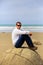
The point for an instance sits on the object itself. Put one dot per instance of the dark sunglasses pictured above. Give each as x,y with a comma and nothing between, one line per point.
18,25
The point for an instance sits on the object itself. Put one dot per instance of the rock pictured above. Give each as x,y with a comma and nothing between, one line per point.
21,56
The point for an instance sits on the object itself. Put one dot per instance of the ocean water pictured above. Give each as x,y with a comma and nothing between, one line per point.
30,28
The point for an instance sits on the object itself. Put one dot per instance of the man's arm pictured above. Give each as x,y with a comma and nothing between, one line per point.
23,32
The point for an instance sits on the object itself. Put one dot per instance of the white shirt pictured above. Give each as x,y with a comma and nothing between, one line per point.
16,33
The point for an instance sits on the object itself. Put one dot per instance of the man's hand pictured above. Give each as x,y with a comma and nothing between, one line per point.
30,33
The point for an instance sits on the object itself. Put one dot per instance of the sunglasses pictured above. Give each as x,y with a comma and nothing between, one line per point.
18,25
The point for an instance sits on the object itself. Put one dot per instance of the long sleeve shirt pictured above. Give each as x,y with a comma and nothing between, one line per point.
17,33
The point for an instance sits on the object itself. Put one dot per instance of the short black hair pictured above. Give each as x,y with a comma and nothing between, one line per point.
18,22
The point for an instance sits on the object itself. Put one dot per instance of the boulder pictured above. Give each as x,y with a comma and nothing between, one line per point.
21,56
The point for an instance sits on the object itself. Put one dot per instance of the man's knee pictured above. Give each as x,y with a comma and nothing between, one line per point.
25,35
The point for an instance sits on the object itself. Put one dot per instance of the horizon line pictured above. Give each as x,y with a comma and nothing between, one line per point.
22,25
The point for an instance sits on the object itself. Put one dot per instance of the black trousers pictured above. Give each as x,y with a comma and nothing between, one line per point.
21,40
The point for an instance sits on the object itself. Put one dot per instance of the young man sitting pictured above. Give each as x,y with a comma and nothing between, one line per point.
19,36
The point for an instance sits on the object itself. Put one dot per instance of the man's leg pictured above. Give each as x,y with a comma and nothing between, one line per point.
28,40
20,42
23,38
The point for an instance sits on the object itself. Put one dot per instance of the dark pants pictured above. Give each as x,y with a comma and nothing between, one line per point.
21,40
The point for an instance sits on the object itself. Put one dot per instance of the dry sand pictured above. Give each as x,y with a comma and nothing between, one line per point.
38,36
6,42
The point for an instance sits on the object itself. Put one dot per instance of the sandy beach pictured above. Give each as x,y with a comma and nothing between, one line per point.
6,42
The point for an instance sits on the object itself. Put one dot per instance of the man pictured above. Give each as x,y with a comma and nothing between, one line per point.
19,36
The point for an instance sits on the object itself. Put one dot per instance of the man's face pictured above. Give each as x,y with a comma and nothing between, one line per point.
18,25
